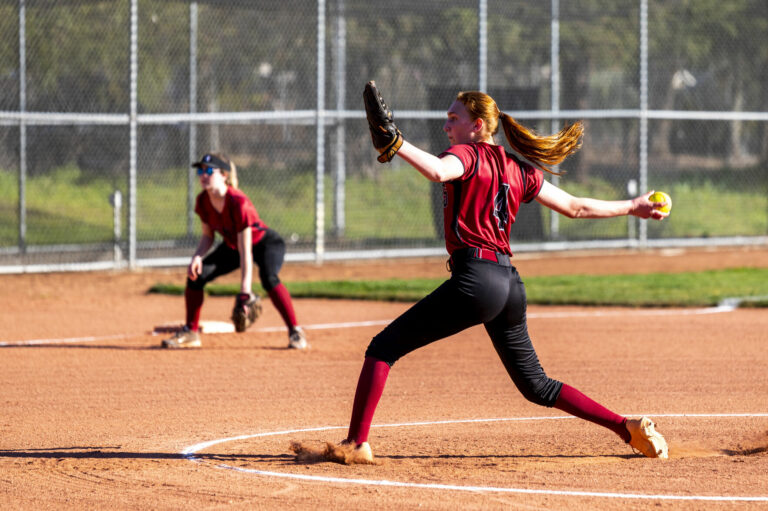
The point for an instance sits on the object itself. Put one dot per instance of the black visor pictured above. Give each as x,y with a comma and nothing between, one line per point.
210,160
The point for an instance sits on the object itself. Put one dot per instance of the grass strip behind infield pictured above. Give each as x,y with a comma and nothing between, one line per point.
688,289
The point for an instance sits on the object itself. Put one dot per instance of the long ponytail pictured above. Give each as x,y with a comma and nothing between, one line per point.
542,151
232,176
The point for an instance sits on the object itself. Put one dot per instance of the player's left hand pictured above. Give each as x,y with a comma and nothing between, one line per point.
387,139
246,311
642,207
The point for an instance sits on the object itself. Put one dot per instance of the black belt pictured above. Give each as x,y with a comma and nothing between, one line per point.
462,254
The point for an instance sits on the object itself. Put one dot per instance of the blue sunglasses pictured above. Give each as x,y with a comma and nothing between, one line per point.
205,170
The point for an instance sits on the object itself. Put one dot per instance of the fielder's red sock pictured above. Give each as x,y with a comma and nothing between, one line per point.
281,298
370,386
574,402
193,300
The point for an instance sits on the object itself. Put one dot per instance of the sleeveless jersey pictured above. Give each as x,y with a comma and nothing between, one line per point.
238,213
480,206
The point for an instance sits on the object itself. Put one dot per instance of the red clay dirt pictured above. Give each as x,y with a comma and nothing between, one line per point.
94,415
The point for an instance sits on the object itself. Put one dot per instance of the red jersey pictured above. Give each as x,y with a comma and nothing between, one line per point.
238,213
480,206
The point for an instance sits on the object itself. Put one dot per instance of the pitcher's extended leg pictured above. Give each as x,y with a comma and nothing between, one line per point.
370,386
574,402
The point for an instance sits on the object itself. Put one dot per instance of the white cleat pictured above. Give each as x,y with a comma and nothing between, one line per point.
646,439
184,338
297,340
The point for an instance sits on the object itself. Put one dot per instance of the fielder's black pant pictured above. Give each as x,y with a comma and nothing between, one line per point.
478,291
268,254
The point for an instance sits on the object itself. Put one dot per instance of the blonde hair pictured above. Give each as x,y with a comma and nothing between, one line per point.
542,151
230,176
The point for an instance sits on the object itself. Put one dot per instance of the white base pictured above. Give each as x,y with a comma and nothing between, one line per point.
217,327
206,327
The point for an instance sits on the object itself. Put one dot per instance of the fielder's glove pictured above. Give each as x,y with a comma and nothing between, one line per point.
387,139
246,311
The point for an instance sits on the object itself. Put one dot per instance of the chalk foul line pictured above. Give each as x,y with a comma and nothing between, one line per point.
725,306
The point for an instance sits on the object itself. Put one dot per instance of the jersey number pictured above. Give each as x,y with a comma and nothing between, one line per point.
501,207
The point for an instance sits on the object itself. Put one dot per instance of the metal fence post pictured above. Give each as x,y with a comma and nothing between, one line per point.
116,199
482,45
643,142
22,127
134,63
191,182
340,54
631,220
320,120
554,218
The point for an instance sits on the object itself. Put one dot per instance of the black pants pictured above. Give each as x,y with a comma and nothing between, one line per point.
268,254
478,291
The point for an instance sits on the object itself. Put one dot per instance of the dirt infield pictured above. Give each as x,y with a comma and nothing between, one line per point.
94,415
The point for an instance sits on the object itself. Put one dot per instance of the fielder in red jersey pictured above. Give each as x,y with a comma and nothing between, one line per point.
484,187
238,213
247,241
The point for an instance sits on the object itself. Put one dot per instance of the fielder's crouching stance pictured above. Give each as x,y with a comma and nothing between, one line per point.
247,241
484,287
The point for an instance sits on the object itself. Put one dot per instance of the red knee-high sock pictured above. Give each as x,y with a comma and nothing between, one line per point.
574,402
370,386
281,298
193,300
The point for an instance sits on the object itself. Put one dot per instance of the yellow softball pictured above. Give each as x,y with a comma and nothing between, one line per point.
662,197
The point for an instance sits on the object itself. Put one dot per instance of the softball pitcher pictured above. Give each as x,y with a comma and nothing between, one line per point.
224,209
484,186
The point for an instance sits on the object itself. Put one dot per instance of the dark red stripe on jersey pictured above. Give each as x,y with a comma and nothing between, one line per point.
477,163
456,208
457,187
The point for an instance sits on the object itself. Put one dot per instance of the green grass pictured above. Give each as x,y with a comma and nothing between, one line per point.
67,206
64,206
393,204
687,289
61,208
701,209
693,289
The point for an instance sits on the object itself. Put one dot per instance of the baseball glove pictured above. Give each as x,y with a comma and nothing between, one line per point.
387,139
246,311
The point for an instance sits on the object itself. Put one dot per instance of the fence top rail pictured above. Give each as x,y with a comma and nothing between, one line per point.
10,118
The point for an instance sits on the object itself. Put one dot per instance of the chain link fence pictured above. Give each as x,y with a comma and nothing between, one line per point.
106,103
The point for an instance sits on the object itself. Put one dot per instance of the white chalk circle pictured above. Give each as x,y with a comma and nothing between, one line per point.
190,454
